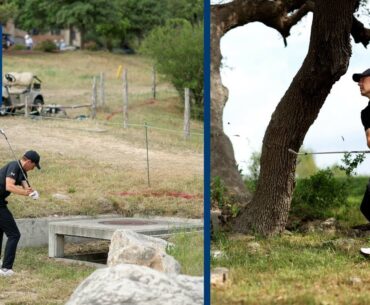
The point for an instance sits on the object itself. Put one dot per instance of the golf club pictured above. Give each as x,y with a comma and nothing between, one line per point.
20,166
330,152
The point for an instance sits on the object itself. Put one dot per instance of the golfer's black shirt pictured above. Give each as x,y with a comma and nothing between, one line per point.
11,170
365,116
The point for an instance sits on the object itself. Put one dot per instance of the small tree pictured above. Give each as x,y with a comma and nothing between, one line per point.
177,49
7,11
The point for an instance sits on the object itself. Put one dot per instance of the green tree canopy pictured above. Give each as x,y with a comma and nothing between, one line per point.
85,15
177,49
7,11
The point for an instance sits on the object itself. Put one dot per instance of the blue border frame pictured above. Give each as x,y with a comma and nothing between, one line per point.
207,158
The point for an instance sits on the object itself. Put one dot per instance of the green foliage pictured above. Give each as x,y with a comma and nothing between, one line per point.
19,47
111,23
218,192
177,49
350,164
254,171
143,16
188,250
316,197
7,11
306,165
84,15
46,46
191,10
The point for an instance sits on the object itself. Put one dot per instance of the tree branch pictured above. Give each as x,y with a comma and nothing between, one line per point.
359,33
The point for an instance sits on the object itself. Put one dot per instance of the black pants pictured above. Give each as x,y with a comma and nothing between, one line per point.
9,227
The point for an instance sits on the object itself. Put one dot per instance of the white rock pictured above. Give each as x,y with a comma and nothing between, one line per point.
129,247
126,284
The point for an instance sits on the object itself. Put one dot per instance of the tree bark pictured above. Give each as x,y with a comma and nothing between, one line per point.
327,60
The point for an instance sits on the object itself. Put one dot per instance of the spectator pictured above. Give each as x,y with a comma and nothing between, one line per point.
28,41
62,45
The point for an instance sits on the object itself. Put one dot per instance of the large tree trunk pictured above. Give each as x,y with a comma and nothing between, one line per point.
327,60
223,162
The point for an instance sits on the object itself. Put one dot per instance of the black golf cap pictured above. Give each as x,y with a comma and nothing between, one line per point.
34,157
357,76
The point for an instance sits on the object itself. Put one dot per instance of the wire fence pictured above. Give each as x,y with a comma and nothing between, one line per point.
151,136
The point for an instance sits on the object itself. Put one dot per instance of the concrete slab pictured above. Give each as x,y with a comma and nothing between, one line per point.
103,228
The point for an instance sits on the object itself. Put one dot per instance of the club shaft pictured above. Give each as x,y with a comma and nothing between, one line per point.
330,152
15,158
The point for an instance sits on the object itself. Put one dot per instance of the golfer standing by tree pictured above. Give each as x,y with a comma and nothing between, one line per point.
13,179
363,80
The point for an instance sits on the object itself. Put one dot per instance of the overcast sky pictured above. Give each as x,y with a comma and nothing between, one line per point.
258,69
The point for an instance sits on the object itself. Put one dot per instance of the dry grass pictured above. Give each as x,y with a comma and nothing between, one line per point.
94,161
40,280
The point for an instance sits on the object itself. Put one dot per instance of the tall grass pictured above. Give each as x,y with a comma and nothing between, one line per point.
188,251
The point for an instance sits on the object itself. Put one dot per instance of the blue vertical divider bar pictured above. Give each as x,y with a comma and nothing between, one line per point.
207,153
1,61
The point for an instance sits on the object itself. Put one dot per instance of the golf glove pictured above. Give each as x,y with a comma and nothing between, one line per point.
34,195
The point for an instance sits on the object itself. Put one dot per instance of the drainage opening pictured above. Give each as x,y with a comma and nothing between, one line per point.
87,250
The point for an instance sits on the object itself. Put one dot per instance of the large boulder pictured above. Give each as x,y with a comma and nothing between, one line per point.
132,284
129,247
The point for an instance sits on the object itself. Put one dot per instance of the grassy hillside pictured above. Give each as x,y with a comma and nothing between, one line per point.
68,77
98,164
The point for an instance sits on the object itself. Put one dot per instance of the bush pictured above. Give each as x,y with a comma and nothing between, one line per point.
46,46
254,167
218,193
18,47
91,46
317,197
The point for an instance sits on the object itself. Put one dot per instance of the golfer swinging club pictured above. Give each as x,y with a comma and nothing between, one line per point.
13,179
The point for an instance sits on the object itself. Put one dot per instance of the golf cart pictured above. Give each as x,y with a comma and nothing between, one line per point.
20,89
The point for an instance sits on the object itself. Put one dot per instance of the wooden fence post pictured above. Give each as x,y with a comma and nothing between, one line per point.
125,99
154,83
147,152
93,99
102,89
187,114
26,103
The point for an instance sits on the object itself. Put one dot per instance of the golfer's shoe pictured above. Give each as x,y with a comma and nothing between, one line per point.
365,251
6,272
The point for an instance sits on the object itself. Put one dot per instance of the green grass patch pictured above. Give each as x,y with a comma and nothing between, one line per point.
292,269
188,251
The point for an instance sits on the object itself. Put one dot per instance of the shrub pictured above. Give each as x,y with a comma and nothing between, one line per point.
46,46
254,167
218,192
91,46
316,197
19,47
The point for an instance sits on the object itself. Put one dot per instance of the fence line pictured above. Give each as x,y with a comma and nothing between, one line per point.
93,99
102,89
32,116
154,82
187,114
